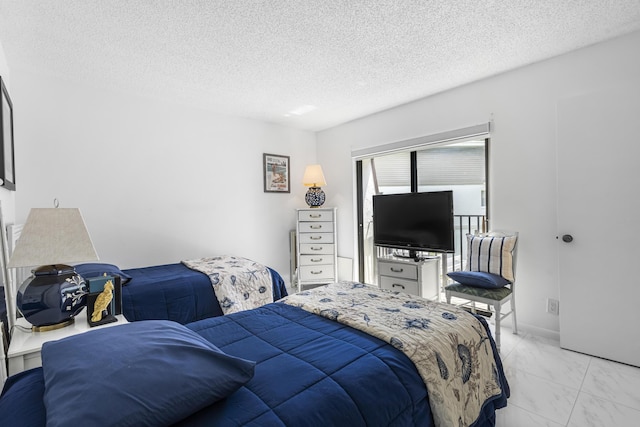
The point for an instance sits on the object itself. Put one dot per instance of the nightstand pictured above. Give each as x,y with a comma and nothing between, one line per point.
25,346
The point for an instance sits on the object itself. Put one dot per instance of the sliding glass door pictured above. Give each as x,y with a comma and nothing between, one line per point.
395,171
460,166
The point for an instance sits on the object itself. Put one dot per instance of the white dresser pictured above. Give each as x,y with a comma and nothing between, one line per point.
420,278
316,243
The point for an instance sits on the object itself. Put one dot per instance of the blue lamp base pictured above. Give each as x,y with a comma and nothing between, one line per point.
52,297
315,197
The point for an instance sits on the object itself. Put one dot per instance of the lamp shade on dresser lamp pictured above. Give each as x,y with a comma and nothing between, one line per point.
55,293
314,179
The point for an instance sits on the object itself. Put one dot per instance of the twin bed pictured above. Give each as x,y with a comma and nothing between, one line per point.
342,354
171,292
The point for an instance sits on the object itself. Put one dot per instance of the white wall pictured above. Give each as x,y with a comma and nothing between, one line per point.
7,198
522,188
156,183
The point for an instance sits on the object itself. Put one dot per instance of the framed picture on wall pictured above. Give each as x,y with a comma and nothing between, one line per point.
7,163
276,173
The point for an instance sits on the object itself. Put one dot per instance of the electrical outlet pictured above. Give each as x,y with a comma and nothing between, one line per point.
553,306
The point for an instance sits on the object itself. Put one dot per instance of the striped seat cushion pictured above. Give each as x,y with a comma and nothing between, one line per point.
491,254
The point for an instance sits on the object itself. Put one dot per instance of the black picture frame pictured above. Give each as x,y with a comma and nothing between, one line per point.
7,160
276,173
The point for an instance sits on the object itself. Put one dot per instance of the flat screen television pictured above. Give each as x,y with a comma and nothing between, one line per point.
414,221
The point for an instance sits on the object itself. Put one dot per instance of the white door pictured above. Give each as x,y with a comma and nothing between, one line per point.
599,207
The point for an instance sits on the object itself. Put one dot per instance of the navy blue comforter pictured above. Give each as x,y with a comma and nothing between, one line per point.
176,292
310,371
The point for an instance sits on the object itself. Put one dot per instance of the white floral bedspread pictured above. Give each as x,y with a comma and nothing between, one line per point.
449,347
239,283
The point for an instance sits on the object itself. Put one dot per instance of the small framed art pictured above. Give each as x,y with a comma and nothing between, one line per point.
7,164
276,173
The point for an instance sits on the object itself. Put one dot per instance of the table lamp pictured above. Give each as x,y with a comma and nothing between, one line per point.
55,293
314,178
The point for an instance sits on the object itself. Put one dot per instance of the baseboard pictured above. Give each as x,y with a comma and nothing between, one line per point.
524,328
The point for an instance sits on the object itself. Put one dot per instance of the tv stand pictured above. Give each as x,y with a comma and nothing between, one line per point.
410,275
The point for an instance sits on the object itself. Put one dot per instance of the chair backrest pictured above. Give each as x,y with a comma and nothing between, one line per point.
493,252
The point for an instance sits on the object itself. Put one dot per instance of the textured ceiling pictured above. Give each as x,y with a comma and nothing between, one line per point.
310,64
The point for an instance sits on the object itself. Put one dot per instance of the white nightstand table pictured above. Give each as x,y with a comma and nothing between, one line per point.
25,346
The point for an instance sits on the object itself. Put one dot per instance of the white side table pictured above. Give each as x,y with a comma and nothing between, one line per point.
25,346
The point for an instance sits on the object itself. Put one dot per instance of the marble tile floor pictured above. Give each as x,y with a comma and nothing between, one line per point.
560,388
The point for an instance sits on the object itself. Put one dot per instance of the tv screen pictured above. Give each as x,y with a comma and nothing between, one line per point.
414,221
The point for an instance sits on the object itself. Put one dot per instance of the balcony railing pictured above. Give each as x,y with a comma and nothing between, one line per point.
462,225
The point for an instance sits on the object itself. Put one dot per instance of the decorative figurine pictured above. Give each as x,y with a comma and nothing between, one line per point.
103,300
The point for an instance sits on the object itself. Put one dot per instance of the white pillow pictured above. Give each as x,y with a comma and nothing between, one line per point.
491,254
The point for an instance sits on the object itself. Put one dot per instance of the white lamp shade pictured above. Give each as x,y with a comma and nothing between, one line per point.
313,176
53,236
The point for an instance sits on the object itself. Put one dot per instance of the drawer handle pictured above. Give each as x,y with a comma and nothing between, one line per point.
315,227
315,216
397,270
316,272
316,248
397,284
316,259
315,237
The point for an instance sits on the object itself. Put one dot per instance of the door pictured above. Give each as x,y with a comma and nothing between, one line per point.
598,216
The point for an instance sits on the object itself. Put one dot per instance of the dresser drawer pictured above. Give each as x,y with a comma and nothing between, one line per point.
316,259
316,227
317,248
316,238
316,272
315,215
401,285
398,269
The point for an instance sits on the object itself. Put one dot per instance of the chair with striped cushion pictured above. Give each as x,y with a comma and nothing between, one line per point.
489,275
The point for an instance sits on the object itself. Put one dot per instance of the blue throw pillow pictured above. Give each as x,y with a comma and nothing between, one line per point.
95,269
479,279
148,373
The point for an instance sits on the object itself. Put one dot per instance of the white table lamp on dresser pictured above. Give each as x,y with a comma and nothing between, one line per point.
314,179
